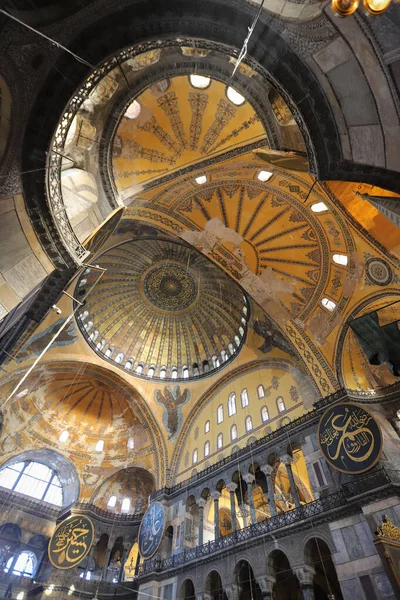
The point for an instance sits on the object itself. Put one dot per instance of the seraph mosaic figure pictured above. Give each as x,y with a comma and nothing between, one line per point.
172,400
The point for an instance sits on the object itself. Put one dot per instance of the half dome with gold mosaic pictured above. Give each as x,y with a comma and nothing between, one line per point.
162,310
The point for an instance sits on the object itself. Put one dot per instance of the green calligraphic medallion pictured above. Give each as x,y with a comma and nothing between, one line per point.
350,438
71,542
151,530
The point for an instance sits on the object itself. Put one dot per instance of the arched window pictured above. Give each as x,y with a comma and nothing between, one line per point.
206,366
245,310
33,479
88,325
206,426
237,340
109,352
131,443
100,446
129,365
234,96
231,349
220,414
94,335
220,441
24,566
119,358
151,371
84,315
232,404
185,372
139,369
196,370
174,373
319,207
195,456
340,259
248,423
224,355
63,437
100,345
199,81
243,321
261,391
112,502
126,504
241,331
328,304
215,361
280,403
244,398
163,372
264,414
206,448
234,432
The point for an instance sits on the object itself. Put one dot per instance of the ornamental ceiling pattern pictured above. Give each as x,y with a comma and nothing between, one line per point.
162,305
175,125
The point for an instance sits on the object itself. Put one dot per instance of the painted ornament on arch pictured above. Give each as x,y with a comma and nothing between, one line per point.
172,400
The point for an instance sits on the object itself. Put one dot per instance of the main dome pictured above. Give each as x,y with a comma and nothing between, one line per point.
162,310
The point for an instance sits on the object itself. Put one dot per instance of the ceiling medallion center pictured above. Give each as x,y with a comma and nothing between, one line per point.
170,287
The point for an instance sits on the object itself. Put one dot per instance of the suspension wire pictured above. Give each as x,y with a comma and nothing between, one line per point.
243,51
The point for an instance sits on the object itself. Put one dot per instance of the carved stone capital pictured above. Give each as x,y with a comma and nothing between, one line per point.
201,503
231,487
305,575
215,495
249,478
267,470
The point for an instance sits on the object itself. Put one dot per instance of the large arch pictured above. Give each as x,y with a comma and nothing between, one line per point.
286,585
64,468
318,556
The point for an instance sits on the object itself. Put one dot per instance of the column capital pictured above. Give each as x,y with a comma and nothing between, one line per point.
231,487
287,460
215,495
266,583
305,575
244,510
201,502
267,470
249,478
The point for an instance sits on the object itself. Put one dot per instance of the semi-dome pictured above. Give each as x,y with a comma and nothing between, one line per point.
162,310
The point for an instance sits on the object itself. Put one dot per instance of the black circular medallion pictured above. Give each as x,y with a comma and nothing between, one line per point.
71,542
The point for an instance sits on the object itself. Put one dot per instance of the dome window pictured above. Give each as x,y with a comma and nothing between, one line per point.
261,391
319,207
264,176
151,371
328,304
185,372
234,96
231,349
206,366
200,82
340,259
206,426
195,456
33,479
244,398
280,403
201,179
133,110
63,437
220,414
174,373
126,505
163,372
112,502
196,370
232,404
139,369
206,449
237,341
109,352
100,446
119,358
131,443
220,441
224,355
264,414
215,361
129,365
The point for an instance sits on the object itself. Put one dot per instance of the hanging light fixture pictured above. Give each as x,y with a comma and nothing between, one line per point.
345,8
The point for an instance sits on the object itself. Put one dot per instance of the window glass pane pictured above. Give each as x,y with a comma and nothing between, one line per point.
207,427
39,471
234,433
54,495
245,398
260,391
31,487
126,504
8,477
112,501
24,565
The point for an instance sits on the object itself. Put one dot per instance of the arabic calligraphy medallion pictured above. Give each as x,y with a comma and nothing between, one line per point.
350,438
151,530
71,542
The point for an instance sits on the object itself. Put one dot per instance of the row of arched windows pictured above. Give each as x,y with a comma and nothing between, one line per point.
125,504
248,423
244,398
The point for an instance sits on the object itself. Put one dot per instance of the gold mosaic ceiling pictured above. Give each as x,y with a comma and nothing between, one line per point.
162,304
173,125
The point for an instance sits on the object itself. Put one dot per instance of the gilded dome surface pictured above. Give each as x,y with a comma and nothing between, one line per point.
162,310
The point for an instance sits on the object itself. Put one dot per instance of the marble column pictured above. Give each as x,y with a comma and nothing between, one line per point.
231,487
216,496
266,584
107,560
91,552
244,511
124,558
305,575
268,470
287,460
201,503
249,479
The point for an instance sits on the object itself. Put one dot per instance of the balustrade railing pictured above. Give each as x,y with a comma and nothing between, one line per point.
363,484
